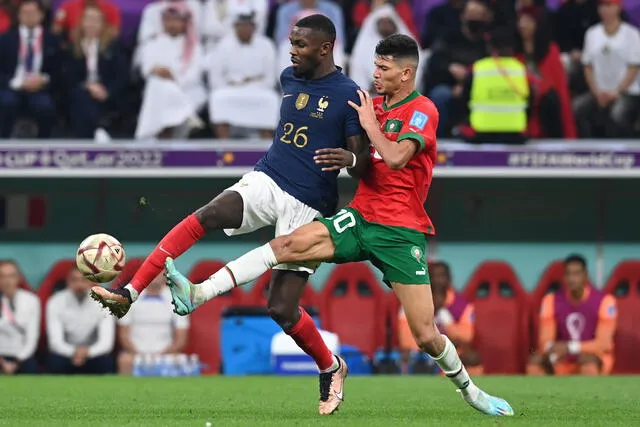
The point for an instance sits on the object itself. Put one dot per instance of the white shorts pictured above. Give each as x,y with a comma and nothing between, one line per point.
267,204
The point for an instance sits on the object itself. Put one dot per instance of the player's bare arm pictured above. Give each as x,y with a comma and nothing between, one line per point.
355,158
396,155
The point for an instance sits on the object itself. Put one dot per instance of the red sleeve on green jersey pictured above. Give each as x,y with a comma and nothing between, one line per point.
420,124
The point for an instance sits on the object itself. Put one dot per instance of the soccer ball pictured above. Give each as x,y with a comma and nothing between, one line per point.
100,258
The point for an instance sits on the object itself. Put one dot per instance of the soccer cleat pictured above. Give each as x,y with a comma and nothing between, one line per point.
117,301
488,404
332,388
180,288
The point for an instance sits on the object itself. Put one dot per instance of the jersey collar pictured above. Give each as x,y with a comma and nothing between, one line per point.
413,95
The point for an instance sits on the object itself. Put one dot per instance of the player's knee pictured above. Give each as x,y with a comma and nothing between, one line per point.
429,339
536,359
225,211
589,364
208,216
284,314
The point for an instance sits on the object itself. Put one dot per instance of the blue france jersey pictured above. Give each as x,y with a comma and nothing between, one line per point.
314,114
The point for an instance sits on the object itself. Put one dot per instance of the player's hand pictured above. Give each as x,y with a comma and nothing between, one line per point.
9,368
366,114
80,356
333,158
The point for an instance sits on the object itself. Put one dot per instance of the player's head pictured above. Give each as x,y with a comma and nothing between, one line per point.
575,272
396,64
312,39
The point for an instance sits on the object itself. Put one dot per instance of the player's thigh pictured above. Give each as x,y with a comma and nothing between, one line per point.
345,230
399,253
250,204
292,215
311,242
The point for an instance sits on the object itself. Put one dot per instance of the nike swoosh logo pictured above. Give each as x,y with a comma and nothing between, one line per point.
287,95
338,395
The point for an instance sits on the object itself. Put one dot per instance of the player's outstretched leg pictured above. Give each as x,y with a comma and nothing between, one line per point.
225,211
417,303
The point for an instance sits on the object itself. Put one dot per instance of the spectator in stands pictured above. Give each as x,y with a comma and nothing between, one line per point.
151,327
151,24
172,63
80,335
577,326
96,71
69,16
499,94
219,18
242,84
363,8
19,323
452,55
454,317
611,58
440,21
551,114
28,69
381,23
290,13
572,20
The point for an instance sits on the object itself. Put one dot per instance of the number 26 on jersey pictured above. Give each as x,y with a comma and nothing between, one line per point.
294,135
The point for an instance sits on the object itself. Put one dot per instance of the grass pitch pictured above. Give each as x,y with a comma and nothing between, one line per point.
292,401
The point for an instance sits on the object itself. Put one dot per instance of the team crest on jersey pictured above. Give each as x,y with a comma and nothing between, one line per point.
419,120
416,252
302,100
323,104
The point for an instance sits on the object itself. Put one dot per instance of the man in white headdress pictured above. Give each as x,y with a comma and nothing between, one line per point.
218,18
174,90
151,20
242,76
380,23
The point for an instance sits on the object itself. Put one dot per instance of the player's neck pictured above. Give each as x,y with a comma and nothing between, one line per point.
400,95
323,70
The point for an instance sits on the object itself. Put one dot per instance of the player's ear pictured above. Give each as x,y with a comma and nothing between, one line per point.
407,74
326,48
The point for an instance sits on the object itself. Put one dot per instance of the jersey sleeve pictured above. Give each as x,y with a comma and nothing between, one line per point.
607,310
420,125
352,121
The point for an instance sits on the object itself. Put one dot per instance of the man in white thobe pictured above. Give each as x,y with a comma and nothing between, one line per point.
242,78
218,18
174,90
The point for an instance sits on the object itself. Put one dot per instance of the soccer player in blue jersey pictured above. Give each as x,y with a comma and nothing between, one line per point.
288,188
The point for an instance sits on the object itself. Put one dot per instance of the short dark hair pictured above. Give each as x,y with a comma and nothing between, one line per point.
501,39
399,46
575,258
320,24
38,4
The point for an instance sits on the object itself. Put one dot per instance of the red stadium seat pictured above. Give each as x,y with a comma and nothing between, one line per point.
502,314
354,306
130,268
624,284
204,330
260,293
550,281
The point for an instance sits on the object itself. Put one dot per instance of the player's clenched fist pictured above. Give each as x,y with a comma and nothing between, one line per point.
335,158
366,114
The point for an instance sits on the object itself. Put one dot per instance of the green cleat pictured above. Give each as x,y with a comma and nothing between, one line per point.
180,287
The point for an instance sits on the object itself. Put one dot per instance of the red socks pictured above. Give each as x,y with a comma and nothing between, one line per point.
173,244
306,335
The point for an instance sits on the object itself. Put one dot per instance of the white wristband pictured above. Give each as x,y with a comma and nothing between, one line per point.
573,347
355,159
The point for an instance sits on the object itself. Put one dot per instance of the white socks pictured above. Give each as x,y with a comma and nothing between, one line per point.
238,272
451,365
